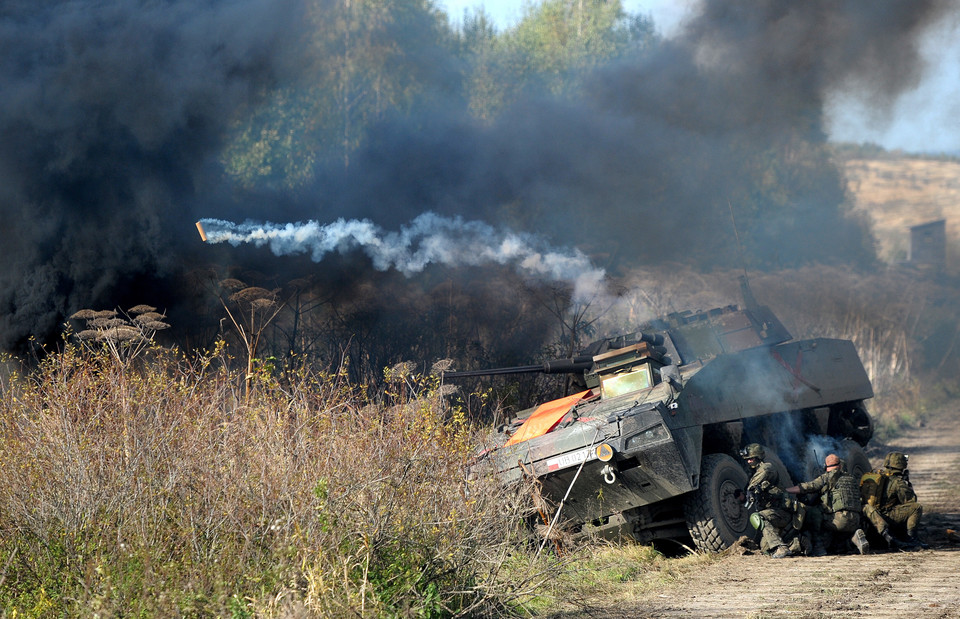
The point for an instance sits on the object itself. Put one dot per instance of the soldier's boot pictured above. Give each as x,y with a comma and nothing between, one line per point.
783,550
860,541
795,547
891,540
914,542
819,548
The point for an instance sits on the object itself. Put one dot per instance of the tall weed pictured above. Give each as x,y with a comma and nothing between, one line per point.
158,489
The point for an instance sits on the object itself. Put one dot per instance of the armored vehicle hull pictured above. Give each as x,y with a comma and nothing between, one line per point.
650,449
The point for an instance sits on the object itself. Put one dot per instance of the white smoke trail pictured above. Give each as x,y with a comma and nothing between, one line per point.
430,238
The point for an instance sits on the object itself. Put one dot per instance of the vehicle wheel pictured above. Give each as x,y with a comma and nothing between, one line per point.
715,518
857,462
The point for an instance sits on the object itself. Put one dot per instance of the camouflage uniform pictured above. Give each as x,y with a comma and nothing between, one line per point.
839,509
896,507
770,499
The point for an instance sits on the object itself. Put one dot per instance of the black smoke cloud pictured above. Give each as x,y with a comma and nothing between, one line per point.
110,113
646,167
660,153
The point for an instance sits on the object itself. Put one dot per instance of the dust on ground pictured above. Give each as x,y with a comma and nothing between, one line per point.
923,583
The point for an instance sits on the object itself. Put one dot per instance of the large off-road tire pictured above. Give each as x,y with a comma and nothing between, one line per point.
715,518
857,462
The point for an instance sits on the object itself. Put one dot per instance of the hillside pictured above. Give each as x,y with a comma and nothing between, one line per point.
897,193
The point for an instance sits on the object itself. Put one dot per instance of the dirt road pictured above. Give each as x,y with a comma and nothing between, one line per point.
884,584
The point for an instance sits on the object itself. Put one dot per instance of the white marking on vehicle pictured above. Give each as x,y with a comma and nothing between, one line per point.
571,459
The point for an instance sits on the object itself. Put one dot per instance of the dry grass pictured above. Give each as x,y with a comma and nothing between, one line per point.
156,489
593,577
899,193
149,485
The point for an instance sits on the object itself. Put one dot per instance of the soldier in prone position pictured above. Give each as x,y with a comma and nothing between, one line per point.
891,503
771,502
838,511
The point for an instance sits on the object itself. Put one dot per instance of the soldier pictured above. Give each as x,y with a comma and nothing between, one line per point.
839,508
892,503
764,488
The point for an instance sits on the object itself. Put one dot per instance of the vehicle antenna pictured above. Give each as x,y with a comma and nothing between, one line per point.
736,233
748,300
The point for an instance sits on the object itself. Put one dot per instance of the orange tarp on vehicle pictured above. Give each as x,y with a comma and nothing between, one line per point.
545,417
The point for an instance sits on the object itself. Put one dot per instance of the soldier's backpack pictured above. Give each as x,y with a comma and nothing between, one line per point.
872,488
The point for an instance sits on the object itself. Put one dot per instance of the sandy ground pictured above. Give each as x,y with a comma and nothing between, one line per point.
923,583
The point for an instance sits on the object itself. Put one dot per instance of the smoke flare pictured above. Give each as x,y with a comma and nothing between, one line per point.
428,239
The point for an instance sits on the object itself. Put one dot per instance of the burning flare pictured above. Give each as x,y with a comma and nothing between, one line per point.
430,238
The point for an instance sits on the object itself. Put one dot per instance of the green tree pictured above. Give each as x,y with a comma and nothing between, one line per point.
369,58
555,44
559,40
483,82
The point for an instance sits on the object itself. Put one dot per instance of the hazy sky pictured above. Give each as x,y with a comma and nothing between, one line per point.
926,119
666,13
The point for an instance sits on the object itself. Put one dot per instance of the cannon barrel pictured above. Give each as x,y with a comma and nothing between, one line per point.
579,363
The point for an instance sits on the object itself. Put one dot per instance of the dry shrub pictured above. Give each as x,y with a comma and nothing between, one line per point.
162,492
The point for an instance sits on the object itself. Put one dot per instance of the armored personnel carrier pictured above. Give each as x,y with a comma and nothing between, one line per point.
649,446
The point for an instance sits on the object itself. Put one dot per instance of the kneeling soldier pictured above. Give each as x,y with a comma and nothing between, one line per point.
891,503
774,521
839,510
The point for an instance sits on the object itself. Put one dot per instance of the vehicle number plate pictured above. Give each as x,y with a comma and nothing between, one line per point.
571,459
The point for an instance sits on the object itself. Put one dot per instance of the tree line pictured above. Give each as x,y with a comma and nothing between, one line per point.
372,59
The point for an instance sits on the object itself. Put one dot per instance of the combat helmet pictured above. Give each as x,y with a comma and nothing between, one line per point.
896,461
753,450
832,460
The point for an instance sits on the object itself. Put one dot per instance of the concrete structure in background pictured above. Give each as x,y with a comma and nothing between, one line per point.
928,244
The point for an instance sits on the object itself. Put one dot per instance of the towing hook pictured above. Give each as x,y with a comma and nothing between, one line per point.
609,474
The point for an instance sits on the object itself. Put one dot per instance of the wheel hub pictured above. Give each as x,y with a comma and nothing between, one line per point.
731,509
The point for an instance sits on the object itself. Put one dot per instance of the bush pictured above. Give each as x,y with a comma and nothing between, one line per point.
156,488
